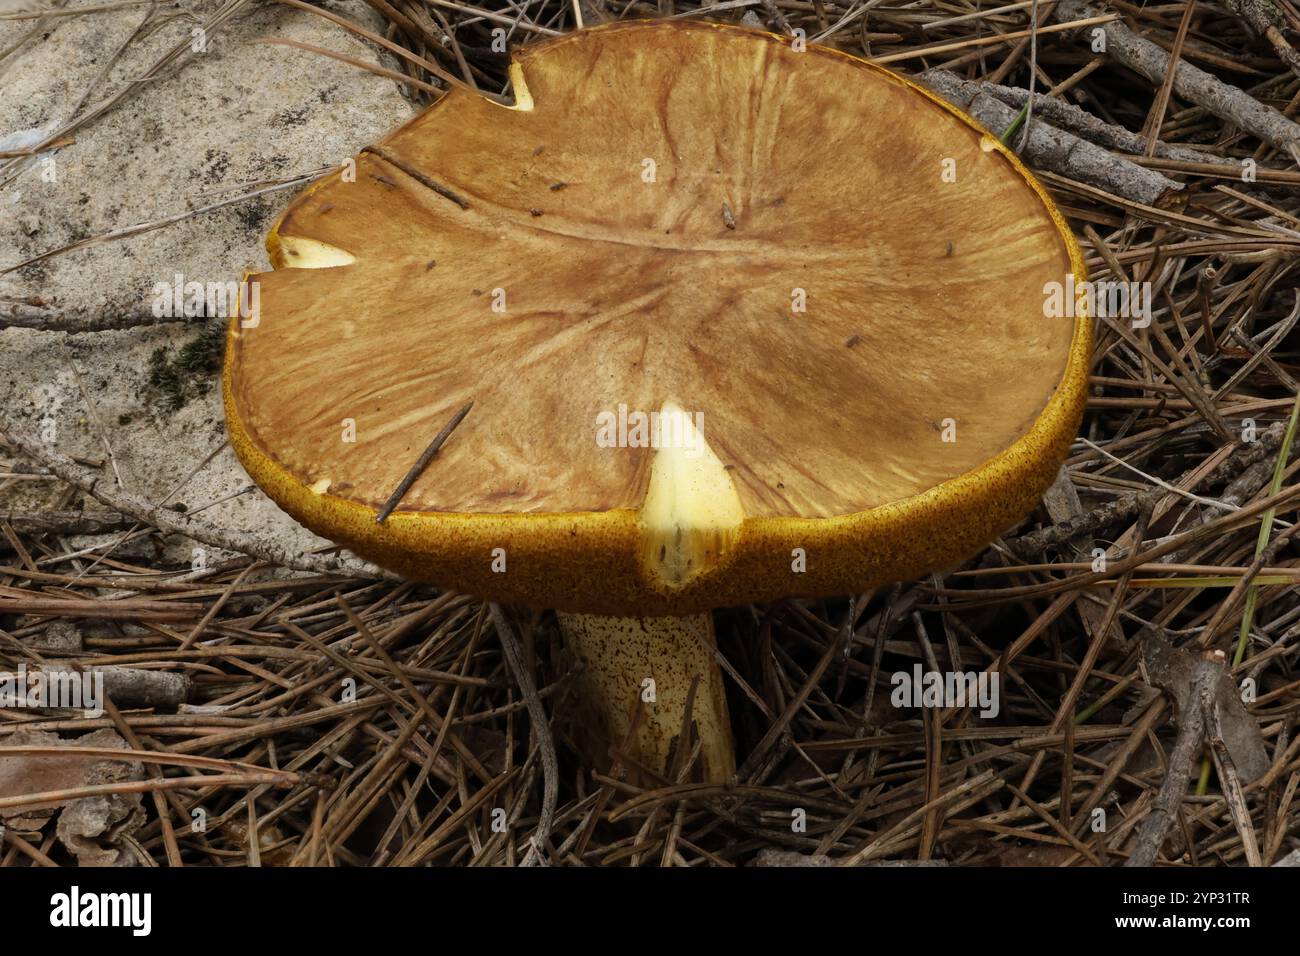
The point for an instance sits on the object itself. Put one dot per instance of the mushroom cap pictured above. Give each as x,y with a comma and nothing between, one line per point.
814,272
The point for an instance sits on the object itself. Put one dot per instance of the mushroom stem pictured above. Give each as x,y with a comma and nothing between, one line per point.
621,654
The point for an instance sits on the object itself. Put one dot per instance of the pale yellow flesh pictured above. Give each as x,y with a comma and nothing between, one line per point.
300,253
626,659
691,512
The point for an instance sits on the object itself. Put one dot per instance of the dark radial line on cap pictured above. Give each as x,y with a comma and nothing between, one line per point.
415,174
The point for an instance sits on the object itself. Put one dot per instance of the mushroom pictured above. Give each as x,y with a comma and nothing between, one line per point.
735,319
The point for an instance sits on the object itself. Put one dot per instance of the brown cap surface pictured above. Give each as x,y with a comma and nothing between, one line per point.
827,286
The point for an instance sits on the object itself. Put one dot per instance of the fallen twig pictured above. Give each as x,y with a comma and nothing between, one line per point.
247,542
1204,89
1055,149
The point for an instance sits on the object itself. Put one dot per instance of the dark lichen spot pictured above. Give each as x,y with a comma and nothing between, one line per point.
293,117
253,213
216,163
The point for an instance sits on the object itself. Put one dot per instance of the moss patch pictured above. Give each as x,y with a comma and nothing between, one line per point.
178,375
